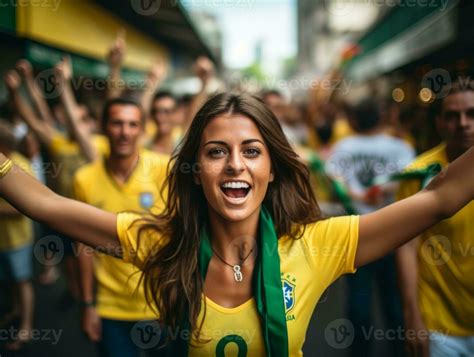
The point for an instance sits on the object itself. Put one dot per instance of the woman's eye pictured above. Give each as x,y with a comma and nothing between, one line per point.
216,152
252,152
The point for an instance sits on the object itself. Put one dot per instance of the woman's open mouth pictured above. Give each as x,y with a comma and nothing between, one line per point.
235,189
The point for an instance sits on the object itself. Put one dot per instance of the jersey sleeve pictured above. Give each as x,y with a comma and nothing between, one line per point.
137,244
332,245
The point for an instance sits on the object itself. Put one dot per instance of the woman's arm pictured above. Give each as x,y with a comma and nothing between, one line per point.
85,223
388,228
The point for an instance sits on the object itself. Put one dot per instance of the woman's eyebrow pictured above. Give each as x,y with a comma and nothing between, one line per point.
216,142
245,142
249,141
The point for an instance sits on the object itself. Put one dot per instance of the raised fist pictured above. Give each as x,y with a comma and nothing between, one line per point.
117,51
63,69
204,68
24,68
157,72
12,80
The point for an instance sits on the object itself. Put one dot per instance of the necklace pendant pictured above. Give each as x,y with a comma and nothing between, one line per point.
237,273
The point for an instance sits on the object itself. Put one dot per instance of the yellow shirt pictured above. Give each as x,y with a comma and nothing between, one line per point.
117,297
445,264
16,231
67,155
308,266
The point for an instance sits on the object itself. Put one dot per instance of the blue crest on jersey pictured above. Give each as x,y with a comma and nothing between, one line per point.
288,294
146,200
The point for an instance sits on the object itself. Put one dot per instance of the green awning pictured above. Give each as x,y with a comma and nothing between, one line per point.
8,18
45,57
406,34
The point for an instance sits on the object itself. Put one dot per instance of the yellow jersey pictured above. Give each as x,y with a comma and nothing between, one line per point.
67,154
16,231
119,295
308,266
445,264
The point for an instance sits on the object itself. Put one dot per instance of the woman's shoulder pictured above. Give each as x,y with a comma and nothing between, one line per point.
326,231
330,225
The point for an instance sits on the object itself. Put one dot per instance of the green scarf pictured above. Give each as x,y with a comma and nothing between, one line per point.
267,287
424,175
316,165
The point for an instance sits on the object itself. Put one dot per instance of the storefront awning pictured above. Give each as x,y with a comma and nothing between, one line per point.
404,35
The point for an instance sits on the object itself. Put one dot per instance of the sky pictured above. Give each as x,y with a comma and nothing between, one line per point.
246,22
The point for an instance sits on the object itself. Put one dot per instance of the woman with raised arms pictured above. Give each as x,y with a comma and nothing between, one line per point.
241,254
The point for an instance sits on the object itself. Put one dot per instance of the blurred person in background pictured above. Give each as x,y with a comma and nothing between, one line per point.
69,151
168,125
162,114
16,252
289,115
129,179
435,271
183,105
326,117
397,121
357,160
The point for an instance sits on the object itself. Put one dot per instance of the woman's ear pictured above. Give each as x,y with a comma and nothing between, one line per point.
272,176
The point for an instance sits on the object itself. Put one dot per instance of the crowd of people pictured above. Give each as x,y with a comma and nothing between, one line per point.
221,207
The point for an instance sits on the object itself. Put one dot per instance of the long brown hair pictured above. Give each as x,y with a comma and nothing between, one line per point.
171,274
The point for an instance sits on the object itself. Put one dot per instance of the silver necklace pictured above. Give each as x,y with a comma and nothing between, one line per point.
238,277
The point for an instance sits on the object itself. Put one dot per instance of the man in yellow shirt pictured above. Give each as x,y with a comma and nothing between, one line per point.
16,250
129,179
436,269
